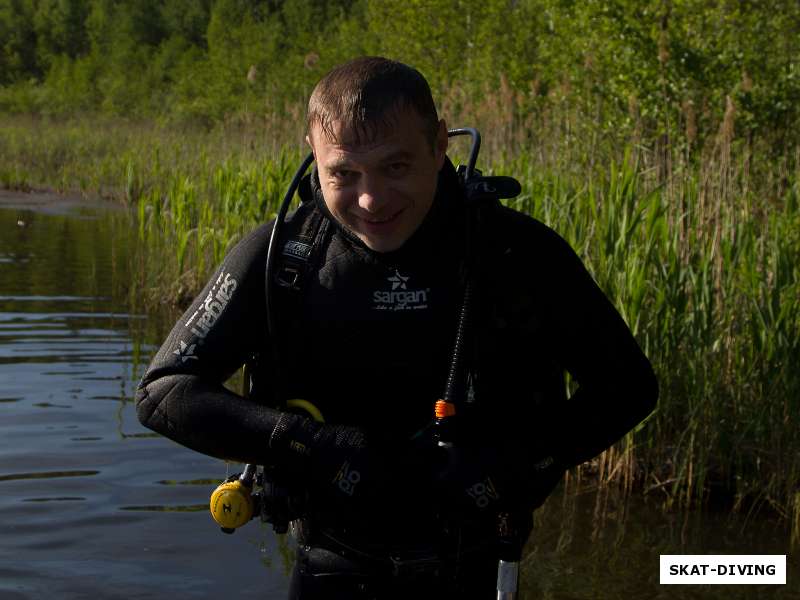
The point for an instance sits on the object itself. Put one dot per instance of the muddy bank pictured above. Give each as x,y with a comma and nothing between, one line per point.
51,202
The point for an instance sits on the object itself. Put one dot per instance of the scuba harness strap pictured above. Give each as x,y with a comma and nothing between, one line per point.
296,247
301,247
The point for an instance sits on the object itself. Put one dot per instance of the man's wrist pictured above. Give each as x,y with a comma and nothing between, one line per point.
301,436
294,435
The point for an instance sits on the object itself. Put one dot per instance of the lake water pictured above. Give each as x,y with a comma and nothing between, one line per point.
92,505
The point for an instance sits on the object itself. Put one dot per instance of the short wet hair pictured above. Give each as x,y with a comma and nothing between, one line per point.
366,94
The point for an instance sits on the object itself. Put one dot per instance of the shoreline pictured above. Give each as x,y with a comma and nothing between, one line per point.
52,202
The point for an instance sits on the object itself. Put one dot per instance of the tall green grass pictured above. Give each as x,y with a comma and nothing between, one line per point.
714,299
701,256
195,221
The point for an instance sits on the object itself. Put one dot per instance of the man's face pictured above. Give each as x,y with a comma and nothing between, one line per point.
382,189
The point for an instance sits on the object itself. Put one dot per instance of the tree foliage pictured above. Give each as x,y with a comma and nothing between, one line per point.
672,64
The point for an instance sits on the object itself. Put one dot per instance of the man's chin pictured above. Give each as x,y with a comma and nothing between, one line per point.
381,243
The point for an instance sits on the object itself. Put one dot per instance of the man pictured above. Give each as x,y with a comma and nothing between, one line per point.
366,333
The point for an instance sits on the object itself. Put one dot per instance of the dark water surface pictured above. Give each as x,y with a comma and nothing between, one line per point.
92,505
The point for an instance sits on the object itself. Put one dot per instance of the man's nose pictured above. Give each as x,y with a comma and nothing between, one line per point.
370,195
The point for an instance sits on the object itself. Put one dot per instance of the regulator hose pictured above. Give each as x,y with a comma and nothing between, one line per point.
272,254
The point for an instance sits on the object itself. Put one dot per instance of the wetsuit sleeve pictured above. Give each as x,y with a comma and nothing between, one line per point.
617,387
182,395
564,314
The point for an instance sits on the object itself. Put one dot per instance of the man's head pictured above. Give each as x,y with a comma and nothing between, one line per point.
379,146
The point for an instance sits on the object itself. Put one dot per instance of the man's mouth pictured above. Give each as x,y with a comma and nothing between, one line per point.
380,222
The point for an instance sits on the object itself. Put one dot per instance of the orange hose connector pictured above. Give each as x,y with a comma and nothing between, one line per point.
444,409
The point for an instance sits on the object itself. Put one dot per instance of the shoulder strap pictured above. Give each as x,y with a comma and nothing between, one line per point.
301,243
300,249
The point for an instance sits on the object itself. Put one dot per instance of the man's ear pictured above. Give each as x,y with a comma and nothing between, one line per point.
440,148
310,145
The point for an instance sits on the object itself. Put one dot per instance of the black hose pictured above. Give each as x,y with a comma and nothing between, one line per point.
474,149
455,388
272,253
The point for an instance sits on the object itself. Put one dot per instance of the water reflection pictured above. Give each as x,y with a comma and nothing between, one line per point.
205,482
63,499
47,475
162,508
603,544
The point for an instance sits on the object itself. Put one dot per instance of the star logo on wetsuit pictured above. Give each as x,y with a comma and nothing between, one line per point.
186,352
400,297
398,281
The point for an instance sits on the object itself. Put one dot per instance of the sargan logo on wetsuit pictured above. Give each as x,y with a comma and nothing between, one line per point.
210,310
400,297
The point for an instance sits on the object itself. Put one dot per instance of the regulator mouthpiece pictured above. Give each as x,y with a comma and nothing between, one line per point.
232,505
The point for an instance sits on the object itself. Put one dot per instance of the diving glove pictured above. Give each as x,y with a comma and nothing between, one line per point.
477,482
340,467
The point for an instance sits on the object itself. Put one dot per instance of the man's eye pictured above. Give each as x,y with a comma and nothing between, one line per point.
398,168
341,175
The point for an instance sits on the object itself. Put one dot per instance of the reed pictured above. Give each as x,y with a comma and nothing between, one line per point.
714,334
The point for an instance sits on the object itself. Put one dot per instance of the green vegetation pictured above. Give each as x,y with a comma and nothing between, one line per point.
658,137
666,65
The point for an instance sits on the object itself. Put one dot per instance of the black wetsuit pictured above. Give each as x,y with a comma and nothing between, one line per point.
369,342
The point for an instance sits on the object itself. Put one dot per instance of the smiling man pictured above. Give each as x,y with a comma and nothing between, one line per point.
371,281
378,177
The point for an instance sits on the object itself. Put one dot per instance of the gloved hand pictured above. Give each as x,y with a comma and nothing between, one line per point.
344,471
476,482
472,483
